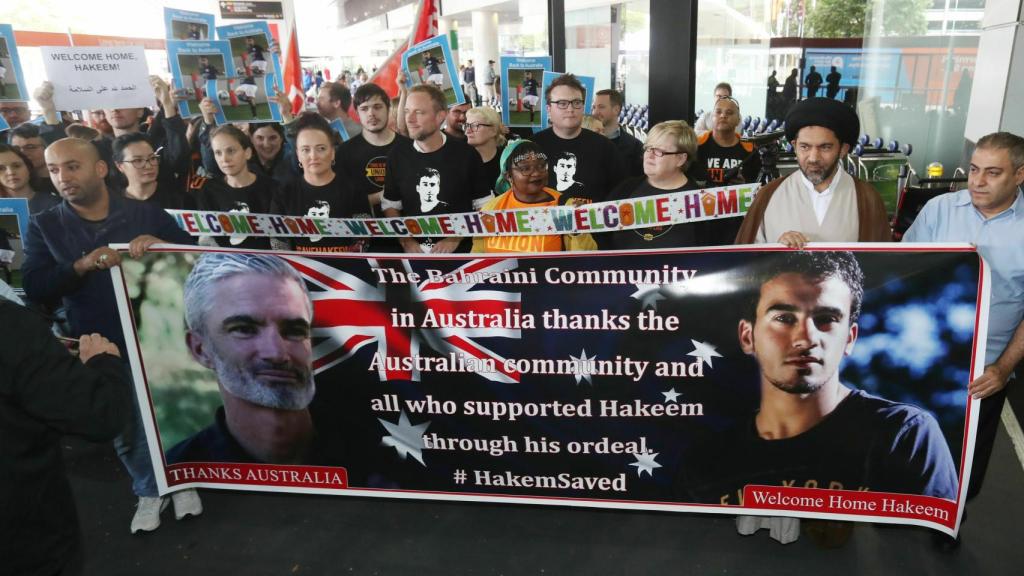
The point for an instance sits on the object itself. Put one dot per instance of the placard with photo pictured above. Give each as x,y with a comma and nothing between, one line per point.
255,73
13,230
431,62
12,81
200,70
188,25
521,80
588,98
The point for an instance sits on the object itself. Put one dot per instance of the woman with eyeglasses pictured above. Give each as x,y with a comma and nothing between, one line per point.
486,133
523,184
139,165
238,189
320,192
17,180
670,148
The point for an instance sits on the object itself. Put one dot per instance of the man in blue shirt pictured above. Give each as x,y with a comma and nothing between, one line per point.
67,256
989,215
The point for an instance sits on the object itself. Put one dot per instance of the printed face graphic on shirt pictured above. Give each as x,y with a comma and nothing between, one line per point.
565,171
428,189
322,209
237,239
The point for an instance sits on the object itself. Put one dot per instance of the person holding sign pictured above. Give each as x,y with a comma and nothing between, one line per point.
238,189
321,192
820,202
669,150
67,255
433,174
524,182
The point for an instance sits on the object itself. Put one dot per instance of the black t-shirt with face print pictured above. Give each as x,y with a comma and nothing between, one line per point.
586,167
446,181
217,196
335,199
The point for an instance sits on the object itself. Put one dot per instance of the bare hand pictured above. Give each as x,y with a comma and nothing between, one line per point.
284,103
991,381
101,258
139,245
794,239
44,96
446,246
411,246
91,345
208,108
401,79
160,88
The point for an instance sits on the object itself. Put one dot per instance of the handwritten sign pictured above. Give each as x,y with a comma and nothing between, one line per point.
89,78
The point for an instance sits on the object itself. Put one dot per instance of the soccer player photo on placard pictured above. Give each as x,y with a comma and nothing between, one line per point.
431,62
521,84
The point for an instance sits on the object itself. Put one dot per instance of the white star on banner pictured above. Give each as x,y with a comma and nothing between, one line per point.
581,367
404,437
704,351
671,396
645,463
648,295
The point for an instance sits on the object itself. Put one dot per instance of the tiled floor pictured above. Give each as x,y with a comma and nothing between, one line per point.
258,533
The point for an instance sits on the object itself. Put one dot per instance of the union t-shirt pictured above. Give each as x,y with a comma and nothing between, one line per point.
718,165
508,201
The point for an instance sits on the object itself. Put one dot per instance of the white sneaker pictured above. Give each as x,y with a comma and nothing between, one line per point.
147,514
186,503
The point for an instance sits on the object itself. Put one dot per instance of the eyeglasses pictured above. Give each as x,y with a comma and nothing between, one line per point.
564,104
658,152
472,127
139,163
535,168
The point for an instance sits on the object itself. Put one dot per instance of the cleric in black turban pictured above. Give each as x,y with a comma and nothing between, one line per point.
827,113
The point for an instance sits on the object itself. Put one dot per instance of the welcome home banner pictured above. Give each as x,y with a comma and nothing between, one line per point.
659,210
659,380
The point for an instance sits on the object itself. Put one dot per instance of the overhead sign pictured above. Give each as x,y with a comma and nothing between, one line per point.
231,9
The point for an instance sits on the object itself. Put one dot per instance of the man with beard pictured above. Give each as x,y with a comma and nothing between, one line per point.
811,430
820,202
249,320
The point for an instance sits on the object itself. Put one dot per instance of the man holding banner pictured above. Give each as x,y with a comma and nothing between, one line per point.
990,215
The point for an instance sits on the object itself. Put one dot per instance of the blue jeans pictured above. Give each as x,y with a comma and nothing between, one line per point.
133,451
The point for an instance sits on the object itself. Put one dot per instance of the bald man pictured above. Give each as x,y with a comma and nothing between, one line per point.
67,258
722,159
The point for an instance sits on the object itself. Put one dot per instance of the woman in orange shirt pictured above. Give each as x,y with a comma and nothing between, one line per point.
523,184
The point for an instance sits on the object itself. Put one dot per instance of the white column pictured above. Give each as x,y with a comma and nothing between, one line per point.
485,44
998,87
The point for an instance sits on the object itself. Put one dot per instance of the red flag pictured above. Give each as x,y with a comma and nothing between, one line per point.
293,73
425,27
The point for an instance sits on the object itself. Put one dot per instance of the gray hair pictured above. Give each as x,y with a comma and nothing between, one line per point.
214,267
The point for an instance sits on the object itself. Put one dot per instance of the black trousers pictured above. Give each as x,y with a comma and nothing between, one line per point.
988,425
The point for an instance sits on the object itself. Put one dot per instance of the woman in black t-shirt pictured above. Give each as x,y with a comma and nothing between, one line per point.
238,190
139,165
486,133
320,192
668,151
